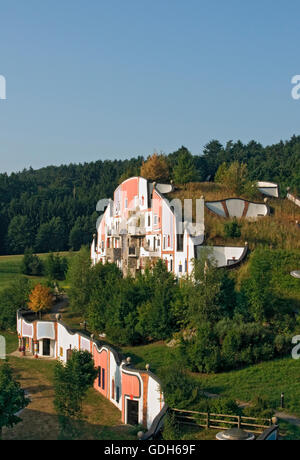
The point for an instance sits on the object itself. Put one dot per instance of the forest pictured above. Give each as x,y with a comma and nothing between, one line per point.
53,208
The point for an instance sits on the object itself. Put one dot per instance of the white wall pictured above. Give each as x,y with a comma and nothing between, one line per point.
221,254
153,401
114,373
65,340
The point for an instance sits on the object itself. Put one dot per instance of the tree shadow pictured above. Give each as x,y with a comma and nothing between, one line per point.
37,425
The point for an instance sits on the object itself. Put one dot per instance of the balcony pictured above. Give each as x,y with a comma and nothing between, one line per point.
136,231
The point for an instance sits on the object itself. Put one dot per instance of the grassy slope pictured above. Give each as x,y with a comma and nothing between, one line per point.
277,230
266,379
10,268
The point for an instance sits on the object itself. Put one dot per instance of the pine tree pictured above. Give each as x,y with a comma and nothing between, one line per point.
184,171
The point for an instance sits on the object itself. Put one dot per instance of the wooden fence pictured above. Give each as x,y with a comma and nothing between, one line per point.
221,421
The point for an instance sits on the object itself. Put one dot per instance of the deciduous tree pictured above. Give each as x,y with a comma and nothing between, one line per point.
156,168
40,299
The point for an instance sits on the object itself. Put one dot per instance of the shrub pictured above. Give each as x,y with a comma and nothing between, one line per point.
31,264
180,391
232,229
56,267
13,298
171,430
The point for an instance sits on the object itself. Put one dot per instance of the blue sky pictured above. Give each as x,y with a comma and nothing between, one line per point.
89,80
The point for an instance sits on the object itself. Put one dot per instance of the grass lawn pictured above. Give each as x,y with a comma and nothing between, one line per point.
10,268
100,418
156,354
11,341
267,379
288,432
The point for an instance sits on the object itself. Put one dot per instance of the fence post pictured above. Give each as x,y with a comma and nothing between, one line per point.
207,421
239,421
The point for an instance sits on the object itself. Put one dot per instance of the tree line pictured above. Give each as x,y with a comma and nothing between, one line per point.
213,319
53,208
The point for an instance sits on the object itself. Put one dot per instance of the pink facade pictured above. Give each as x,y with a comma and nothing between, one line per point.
125,387
141,226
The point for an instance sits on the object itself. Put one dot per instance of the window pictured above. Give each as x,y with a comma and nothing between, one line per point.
99,376
149,220
180,268
185,266
164,242
171,265
155,219
117,394
179,242
103,379
158,242
169,241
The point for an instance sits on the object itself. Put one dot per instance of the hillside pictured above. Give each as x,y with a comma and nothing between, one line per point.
278,230
60,201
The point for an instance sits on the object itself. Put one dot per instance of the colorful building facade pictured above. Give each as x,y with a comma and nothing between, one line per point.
136,393
140,225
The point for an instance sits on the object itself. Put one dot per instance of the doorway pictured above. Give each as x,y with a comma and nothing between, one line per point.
46,347
132,412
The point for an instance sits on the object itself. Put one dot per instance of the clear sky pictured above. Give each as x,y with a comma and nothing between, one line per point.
95,79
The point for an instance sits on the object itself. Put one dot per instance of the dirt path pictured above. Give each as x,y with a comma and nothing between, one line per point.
59,306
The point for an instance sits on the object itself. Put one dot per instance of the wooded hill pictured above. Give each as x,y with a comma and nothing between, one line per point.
53,208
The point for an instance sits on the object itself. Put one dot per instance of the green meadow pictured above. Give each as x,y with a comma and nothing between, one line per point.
10,268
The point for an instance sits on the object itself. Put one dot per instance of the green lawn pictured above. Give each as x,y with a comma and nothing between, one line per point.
156,354
11,341
10,268
100,419
267,379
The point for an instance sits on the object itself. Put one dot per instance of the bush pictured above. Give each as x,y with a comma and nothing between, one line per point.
56,267
220,406
171,430
13,298
232,229
180,391
260,408
31,264
203,350
246,344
